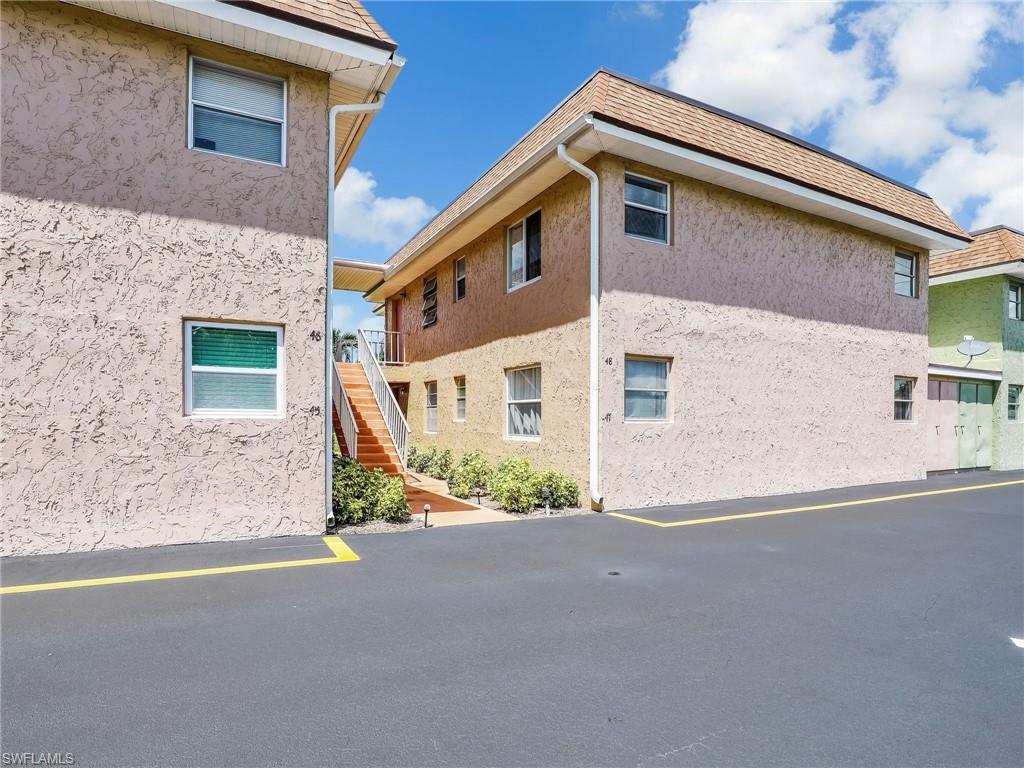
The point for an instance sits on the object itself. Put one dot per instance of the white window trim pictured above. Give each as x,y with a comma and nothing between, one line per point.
509,288
455,279
509,401
427,408
913,397
1020,396
667,211
283,121
1020,300
915,269
457,399
191,413
667,390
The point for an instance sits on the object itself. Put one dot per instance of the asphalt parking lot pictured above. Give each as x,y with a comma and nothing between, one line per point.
872,634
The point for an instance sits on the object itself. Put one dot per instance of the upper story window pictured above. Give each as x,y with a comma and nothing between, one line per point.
646,385
647,206
524,251
429,301
233,369
1014,302
237,113
460,279
903,399
1013,402
906,274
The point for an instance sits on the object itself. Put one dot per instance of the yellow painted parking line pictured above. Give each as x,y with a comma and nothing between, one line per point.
340,553
814,507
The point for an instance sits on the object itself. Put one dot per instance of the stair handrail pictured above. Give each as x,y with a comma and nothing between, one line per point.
343,408
397,426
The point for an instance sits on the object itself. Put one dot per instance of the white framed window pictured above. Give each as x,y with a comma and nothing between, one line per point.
524,252
234,369
430,409
1013,402
646,389
523,398
1014,300
903,399
429,309
460,398
647,208
906,274
235,112
460,279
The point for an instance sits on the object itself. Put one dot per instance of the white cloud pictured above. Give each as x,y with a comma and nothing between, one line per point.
361,215
633,10
772,62
903,89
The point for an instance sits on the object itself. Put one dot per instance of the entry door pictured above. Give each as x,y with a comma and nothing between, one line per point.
984,425
943,425
968,425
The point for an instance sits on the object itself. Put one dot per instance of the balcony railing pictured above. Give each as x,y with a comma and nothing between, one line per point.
343,408
388,347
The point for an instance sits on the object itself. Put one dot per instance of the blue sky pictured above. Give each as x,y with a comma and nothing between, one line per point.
930,94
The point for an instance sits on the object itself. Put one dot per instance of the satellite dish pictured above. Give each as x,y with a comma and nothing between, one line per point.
971,348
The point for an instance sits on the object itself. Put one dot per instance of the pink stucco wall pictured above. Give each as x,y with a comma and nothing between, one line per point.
114,232
785,335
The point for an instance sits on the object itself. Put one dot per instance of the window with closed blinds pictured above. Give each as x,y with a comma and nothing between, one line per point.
233,369
237,113
646,387
523,398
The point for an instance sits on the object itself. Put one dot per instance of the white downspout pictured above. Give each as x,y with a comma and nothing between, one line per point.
332,140
596,499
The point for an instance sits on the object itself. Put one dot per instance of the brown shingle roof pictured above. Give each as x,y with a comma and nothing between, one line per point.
346,18
995,245
678,120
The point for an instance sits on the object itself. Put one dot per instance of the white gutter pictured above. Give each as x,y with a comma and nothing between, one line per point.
1014,268
596,499
956,371
332,140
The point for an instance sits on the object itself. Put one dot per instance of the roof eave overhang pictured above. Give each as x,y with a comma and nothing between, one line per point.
959,372
1009,268
360,276
660,153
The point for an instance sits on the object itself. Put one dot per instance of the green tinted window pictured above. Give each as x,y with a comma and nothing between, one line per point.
234,348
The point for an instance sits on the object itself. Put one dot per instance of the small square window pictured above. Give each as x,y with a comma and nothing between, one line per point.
523,393
647,206
234,369
460,279
524,251
460,398
1014,302
1013,402
237,113
430,410
646,389
906,274
903,401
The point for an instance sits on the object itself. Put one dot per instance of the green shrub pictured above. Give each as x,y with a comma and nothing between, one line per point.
418,458
565,492
359,495
516,487
440,464
471,476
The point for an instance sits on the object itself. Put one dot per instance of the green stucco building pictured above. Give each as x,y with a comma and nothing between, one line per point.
975,415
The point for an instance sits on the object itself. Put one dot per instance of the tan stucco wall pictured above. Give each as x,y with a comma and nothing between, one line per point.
115,232
785,335
492,330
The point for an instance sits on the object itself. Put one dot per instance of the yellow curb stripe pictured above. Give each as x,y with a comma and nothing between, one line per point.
342,553
834,505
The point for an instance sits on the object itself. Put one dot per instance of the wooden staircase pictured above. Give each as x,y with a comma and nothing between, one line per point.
375,447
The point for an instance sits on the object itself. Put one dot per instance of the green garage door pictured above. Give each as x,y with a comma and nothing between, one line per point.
975,425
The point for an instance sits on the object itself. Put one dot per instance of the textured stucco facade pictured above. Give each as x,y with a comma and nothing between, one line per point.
491,330
978,308
115,233
784,334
